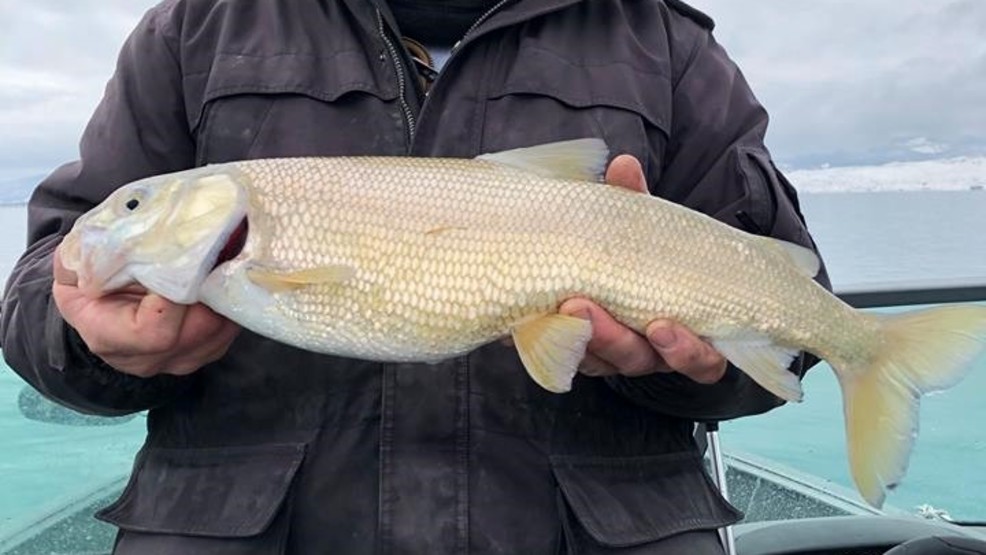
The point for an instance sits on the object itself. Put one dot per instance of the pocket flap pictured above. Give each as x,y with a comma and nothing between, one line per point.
616,84
637,500
294,73
215,492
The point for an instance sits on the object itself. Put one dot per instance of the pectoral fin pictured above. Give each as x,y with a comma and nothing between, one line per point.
551,348
277,281
765,362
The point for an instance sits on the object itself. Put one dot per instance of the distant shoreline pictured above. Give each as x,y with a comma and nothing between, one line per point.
814,191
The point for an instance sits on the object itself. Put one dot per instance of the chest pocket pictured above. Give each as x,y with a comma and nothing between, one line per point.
294,104
544,96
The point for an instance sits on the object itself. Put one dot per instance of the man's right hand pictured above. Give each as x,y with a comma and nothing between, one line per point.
140,333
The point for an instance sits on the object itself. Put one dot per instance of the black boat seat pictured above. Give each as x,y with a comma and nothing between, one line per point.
941,545
856,535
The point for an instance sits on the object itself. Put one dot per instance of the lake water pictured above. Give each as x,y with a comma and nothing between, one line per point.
866,238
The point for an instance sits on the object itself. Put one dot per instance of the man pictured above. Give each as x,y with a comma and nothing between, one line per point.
255,447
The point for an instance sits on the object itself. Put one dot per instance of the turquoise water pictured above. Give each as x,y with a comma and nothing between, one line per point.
45,466
866,238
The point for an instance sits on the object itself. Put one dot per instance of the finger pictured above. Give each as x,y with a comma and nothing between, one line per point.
217,347
115,325
685,352
63,276
625,171
157,324
612,342
134,289
210,333
204,337
592,365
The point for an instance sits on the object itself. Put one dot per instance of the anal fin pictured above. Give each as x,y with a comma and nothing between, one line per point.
765,362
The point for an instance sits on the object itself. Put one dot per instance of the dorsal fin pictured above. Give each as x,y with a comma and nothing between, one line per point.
580,159
803,258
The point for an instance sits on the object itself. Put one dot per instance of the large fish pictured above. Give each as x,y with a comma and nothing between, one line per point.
420,259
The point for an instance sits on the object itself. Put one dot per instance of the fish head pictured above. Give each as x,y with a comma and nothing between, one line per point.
166,233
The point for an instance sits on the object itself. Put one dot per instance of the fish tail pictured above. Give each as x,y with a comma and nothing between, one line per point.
915,353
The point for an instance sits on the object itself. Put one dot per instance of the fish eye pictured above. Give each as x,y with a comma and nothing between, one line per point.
132,201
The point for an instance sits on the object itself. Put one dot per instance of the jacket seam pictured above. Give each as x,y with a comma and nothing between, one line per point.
335,54
463,442
571,63
319,93
260,126
385,509
697,44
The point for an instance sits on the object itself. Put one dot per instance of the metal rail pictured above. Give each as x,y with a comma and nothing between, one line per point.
913,293
719,477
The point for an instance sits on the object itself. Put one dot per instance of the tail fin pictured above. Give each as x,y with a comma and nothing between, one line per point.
919,352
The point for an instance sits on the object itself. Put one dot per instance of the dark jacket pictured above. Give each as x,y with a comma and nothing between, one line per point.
276,450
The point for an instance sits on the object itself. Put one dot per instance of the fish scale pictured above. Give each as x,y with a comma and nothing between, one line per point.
488,236
420,259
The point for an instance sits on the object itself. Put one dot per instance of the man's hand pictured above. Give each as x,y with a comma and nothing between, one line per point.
141,333
667,347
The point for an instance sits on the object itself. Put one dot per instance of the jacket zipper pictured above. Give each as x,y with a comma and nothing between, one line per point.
409,118
395,56
482,19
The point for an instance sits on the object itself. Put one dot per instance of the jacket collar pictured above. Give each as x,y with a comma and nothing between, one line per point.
512,13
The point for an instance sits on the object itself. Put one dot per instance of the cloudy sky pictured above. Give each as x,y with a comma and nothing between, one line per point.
845,81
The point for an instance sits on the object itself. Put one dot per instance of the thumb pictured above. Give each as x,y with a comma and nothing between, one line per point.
625,171
63,275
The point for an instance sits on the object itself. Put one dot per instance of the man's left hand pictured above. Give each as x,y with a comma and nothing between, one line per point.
667,347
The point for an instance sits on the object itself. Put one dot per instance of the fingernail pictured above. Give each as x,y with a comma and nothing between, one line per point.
583,313
662,336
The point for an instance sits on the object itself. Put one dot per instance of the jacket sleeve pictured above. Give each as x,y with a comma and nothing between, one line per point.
138,129
716,162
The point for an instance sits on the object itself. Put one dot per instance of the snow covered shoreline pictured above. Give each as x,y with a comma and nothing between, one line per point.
946,174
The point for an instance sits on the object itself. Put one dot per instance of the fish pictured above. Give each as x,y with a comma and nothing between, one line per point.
422,259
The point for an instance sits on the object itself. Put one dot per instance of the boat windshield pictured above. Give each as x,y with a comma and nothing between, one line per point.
880,132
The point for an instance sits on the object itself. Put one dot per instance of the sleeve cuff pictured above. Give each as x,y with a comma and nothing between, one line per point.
106,391
734,396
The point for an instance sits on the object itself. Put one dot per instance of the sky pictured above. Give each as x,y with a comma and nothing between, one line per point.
861,82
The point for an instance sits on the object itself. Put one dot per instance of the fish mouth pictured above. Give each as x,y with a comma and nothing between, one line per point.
234,243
